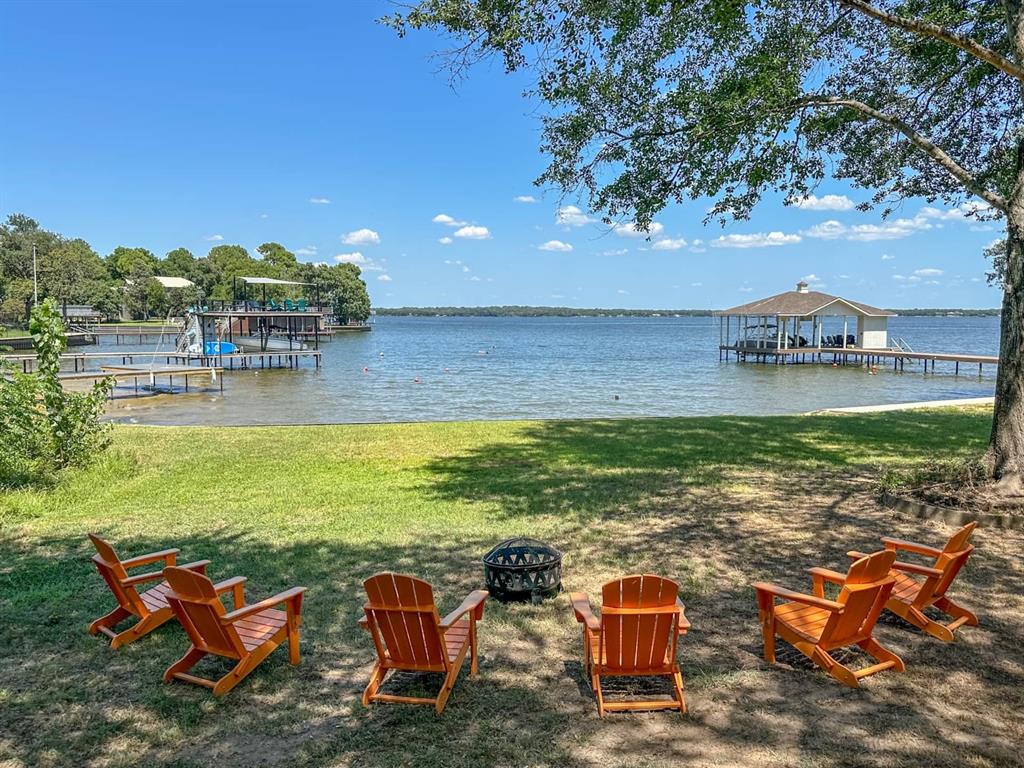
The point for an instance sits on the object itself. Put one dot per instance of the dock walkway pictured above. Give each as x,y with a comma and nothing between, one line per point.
134,373
855,355
240,360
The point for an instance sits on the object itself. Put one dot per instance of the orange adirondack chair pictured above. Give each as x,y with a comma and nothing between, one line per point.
637,634
815,625
249,633
402,618
150,607
910,596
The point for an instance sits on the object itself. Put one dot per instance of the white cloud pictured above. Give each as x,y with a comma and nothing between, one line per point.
319,201
365,264
264,215
351,258
825,203
309,250
618,252
755,240
745,289
811,278
473,279
456,261
928,272
213,238
448,221
696,285
887,257
524,199
571,216
667,244
473,232
630,230
906,279
970,209
384,278
446,240
361,237
555,245
624,293
889,230
465,268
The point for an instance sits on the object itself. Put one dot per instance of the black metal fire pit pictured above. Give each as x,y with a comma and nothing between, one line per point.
523,569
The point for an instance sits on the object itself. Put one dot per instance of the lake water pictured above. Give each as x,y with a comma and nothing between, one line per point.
543,368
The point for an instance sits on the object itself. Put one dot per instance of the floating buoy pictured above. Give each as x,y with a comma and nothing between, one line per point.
416,380
366,369
615,397
382,354
446,370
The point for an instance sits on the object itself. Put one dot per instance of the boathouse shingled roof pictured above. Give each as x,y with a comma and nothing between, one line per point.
801,304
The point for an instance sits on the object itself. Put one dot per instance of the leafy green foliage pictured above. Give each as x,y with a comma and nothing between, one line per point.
43,428
71,272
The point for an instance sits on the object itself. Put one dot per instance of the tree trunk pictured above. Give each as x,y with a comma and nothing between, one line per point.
1006,447
1006,450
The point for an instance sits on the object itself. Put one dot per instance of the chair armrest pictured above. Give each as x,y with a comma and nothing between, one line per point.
142,578
282,597
827,574
169,556
584,613
798,597
223,586
364,622
237,585
922,570
474,602
684,623
910,546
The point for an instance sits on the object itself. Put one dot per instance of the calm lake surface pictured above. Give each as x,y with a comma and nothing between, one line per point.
545,368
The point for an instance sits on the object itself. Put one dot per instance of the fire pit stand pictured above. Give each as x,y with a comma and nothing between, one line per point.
523,569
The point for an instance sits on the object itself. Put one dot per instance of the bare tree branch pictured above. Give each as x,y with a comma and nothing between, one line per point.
923,143
928,29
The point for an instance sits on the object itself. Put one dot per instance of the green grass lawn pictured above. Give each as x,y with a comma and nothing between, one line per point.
713,503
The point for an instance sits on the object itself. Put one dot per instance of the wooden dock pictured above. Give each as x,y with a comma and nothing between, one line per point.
148,374
236,360
855,356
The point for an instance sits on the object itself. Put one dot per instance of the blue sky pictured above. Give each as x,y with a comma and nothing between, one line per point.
184,124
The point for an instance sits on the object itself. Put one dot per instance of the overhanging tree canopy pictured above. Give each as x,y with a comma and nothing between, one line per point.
654,101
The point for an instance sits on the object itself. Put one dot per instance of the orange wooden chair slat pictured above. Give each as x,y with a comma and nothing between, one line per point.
408,634
815,625
911,595
637,634
150,607
248,634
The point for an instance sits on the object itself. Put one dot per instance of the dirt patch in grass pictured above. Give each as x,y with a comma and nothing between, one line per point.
67,699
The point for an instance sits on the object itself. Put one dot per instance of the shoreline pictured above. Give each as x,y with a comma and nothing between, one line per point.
916,405
967,402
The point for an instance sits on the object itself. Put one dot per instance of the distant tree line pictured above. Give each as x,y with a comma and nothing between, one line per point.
522,311
72,273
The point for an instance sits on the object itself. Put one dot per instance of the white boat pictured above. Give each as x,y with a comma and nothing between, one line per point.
267,344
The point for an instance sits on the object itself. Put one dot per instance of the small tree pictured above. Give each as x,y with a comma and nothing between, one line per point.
43,428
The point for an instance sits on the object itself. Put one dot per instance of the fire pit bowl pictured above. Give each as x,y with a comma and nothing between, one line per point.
523,569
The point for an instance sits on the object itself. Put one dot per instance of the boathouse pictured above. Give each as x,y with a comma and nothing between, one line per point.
803,321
